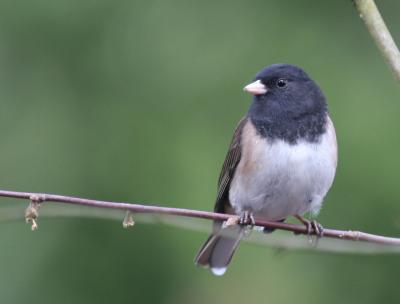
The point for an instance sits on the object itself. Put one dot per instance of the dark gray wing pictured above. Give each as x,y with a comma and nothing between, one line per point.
217,251
228,169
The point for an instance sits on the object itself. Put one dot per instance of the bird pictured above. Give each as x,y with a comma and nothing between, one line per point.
281,161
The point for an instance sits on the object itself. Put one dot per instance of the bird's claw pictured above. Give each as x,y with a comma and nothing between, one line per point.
247,218
312,227
318,229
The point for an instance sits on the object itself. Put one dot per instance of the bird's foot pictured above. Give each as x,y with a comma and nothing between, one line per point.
318,228
247,218
313,227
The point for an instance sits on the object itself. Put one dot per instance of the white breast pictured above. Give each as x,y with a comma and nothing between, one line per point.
276,180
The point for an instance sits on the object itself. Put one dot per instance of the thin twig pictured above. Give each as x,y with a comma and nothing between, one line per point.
376,26
138,208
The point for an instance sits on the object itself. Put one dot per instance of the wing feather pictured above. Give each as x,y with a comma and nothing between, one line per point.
228,169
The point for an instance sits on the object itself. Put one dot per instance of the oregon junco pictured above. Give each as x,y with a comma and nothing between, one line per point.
281,161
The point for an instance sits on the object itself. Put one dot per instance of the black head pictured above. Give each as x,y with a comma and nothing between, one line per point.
287,104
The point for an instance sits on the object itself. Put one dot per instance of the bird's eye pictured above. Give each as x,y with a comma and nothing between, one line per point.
281,83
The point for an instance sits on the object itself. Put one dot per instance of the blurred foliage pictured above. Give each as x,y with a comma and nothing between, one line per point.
137,101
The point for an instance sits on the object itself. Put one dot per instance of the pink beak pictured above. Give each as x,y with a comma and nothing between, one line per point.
256,88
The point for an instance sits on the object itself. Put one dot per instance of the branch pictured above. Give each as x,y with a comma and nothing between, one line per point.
38,198
380,33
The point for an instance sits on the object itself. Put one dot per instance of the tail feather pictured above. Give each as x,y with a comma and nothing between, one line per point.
219,248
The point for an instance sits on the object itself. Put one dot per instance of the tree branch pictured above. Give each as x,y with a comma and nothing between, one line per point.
376,26
39,198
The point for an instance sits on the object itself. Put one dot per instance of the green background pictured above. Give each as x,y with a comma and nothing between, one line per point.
137,101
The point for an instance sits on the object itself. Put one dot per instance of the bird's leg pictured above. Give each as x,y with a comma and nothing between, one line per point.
246,219
305,222
319,230
311,225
